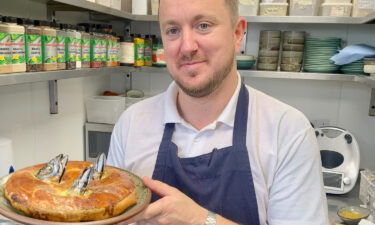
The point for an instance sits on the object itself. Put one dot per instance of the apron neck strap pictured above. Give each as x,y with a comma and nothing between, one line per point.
240,120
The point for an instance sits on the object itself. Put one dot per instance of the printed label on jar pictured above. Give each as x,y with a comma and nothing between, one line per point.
117,51
49,49
96,50
158,56
5,49
78,49
104,50
61,51
71,49
86,50
33,49
18,48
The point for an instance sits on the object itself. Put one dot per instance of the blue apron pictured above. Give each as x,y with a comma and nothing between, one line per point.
220,181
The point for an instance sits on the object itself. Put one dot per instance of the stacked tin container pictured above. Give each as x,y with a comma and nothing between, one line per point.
292,54
269,46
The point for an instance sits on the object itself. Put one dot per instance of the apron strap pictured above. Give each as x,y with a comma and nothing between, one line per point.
240,122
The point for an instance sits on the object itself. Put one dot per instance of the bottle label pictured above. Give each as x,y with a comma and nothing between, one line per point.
86,50
127,52
71,49
96,50
78,49
5,49
139,52
18,48
61,51
33,49
49,49
148,53
117,51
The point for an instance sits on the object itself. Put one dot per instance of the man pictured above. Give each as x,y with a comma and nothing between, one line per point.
218,152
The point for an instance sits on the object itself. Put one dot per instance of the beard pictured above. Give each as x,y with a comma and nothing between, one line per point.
206,88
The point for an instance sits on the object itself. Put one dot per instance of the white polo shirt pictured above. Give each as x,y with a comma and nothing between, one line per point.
283,151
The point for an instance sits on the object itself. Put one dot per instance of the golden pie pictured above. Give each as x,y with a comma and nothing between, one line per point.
54,201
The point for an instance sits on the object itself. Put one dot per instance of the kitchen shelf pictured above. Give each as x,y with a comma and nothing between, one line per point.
367,80
83,5
312,19
31,77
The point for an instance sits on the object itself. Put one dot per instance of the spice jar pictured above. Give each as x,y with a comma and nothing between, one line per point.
60,45
71,55
148,50
127,51
33,46
139,51
49,48
78,45
5,49
85,42
158,58
95,48
115,46
17,39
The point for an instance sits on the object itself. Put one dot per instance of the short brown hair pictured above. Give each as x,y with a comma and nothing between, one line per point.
233,9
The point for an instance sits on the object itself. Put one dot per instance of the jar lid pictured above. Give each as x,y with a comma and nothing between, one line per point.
44,23
28,22
9,19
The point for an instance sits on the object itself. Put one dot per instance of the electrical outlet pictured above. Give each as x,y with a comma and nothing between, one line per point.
320,122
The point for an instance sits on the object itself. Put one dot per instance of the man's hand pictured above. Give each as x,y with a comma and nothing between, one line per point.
173,208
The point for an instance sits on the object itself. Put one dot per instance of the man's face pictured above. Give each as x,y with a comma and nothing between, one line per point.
199,42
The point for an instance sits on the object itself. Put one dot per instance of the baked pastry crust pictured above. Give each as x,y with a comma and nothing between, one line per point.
104,198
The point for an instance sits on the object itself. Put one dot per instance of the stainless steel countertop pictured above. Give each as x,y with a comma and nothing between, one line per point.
334,203
337,201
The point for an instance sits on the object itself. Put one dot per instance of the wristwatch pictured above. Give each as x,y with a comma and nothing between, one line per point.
211,219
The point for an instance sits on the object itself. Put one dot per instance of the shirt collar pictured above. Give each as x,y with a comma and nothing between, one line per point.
171,114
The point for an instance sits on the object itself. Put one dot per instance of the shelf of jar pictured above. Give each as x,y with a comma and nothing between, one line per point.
83,5
32,77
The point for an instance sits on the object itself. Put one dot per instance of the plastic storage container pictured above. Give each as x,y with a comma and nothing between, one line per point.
104,2
139,7
363,7
33,42
273,9
116,4
61,48
49,46
17,39
304,7
154,7
336,9
248,7
104,109
126,6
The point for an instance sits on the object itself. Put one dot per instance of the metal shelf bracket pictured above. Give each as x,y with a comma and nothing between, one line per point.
372,103
53,97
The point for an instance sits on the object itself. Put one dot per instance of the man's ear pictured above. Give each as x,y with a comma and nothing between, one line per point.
240,30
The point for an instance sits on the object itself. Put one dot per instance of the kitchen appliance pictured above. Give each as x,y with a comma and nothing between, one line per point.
98,138
340,159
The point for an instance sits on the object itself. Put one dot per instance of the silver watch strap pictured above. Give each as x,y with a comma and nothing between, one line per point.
211,219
